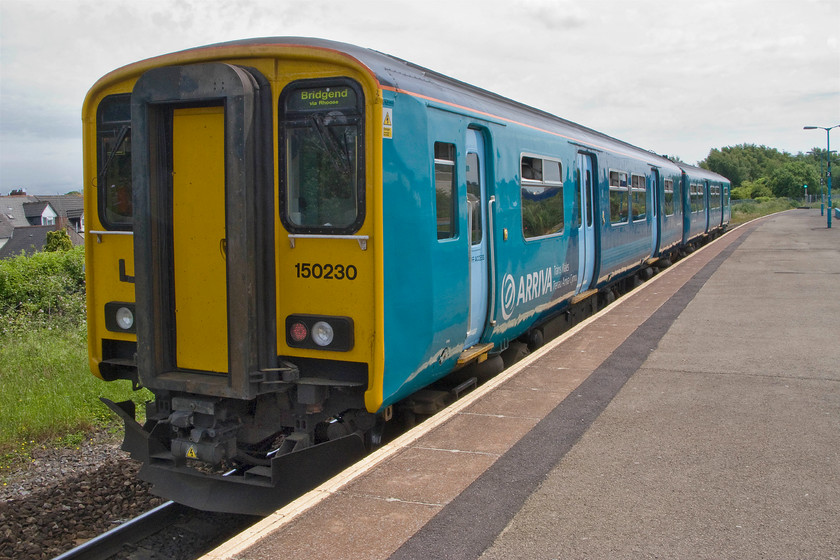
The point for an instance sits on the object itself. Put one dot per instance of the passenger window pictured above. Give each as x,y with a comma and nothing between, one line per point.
619,198
668,205
638,197
531,168
113,137
696,196
322,150
445,196
542,197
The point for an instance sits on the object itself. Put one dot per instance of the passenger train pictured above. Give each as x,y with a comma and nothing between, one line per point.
290,239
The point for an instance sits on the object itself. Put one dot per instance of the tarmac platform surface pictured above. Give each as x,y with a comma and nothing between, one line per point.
696,417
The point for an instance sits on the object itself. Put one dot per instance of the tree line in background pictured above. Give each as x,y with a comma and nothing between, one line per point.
759,171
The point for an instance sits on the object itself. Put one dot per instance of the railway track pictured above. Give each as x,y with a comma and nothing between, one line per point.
170,531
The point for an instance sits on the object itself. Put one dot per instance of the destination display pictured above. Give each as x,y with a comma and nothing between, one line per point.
334,97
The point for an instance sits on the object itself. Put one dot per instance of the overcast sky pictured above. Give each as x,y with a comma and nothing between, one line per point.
678,77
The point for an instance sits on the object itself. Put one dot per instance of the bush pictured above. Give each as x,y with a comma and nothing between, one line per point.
46,285
58,240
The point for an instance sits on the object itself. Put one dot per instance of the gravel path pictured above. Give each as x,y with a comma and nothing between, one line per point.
66,496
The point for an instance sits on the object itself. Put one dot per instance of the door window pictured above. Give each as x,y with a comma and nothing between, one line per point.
474,196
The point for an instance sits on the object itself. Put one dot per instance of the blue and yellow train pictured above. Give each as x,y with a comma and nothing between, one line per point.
288,237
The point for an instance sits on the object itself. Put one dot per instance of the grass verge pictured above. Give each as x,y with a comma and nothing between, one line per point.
50,397
746,210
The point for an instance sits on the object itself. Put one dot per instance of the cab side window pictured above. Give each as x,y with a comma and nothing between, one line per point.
113,150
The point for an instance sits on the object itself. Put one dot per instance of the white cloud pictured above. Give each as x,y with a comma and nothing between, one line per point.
677,76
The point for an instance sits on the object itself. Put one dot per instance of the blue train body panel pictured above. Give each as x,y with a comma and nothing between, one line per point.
427,279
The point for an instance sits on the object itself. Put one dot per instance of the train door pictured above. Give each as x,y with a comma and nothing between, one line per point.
199,265
477,202
586,231
656,221
203,236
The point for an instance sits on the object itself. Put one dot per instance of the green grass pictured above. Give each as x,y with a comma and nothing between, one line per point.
49,395
746,210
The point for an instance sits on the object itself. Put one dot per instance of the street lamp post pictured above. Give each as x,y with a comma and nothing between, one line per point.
828,157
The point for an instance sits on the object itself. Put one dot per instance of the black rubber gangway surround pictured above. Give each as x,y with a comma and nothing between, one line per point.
470,523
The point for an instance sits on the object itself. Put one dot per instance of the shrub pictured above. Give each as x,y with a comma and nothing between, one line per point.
46,284
58,240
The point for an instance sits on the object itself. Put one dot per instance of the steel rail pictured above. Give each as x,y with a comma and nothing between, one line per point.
109,543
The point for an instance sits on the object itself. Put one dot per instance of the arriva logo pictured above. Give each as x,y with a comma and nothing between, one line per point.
529,287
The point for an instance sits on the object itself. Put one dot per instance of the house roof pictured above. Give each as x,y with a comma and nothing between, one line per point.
6,225
12,209
70,205
26,239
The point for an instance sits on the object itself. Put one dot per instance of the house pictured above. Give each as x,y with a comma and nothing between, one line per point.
25,219
39,213
69,206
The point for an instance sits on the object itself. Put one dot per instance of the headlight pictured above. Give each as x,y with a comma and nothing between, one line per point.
119,317
125,318
322,333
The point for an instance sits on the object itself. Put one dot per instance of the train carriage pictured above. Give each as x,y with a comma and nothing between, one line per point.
288,237
706,198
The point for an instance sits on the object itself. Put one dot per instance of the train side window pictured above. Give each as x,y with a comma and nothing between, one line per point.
638,197
668,201
619,198
542,197
445,196
695,193
714,196
322,156
113,150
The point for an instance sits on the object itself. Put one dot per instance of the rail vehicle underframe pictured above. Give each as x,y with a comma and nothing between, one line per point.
249,456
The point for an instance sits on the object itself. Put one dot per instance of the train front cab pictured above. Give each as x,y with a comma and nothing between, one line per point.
256,304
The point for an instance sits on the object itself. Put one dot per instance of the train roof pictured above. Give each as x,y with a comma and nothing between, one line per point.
402,76
699,173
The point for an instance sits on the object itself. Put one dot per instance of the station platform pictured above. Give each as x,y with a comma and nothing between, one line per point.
696,417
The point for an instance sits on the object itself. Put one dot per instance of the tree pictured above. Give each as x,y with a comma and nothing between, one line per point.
788,179
752,190
744,162
58,241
